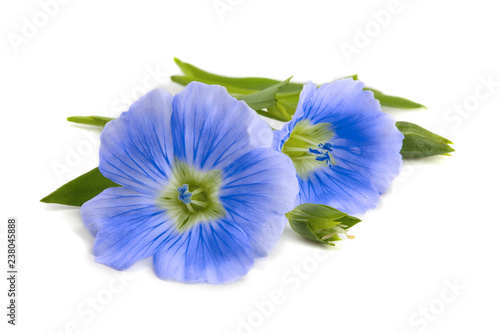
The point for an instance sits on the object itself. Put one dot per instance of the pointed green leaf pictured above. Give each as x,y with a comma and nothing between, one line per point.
80,189
394,101
419,142
90,120
183,80
244,85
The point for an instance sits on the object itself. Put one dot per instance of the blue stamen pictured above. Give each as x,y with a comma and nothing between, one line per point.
184,194
323,157
326,146
321,153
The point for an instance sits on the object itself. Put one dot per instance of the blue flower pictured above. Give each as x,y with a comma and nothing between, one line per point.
202,190
344,148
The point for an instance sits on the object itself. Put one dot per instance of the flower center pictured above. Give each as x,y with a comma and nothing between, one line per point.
184,194
322,152
192,196
309,148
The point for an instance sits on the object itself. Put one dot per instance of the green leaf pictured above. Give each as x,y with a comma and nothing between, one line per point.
286,98
392,101
244,85
90,120
81,189
395,102
419,142
320,223
279,98
183,80
265,98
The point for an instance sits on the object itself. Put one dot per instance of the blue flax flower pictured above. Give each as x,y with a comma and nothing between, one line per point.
202,190
344,148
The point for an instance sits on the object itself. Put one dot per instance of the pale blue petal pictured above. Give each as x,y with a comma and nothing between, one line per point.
339,100
136,149
340,188
209,252
210,128
373,150
278,139
306,95
127,226
259,188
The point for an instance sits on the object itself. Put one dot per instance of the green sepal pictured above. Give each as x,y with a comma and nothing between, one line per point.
90,120
320,223
265,98
270,115
81,189
419,142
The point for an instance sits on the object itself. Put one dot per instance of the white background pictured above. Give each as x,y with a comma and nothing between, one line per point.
438,223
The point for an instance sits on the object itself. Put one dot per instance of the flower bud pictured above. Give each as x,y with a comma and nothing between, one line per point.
320,223
419,142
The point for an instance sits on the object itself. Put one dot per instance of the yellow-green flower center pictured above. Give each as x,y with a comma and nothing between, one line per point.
192,196
308,146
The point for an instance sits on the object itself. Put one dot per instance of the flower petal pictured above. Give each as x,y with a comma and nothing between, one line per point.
281,136
136,149
339,100
340,188
127,226
371,148
258,189
211,128
209,252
